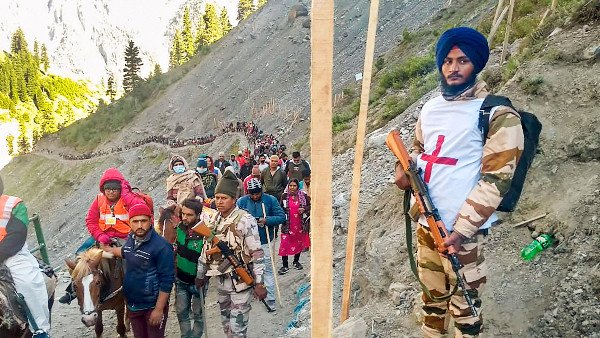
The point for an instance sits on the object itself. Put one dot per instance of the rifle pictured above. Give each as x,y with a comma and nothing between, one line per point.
427,209
219,246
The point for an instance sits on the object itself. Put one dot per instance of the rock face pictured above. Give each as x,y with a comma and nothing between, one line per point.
352,328
87,38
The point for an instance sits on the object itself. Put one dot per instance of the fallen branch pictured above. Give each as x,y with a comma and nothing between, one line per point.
529,220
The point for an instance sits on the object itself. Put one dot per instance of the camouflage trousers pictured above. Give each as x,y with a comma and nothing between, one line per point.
235,307
435,271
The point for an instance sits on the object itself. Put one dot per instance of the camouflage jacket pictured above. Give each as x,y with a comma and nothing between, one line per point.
501,152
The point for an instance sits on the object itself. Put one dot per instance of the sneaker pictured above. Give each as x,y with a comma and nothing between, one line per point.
297,266
67,298
283,270
272,305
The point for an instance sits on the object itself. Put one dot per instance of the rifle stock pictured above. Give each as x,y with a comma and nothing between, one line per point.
427,209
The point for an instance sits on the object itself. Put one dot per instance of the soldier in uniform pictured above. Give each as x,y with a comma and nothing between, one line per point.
466,178
239,230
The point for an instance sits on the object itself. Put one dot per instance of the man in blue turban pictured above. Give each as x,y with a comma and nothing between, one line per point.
466,180
461,53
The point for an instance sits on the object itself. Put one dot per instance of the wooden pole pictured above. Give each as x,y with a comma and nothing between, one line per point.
553,6
530,220
496,25
321,143
507,33
271,246
358,158
497,13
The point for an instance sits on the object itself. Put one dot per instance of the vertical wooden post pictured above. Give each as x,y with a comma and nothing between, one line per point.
321,143
553,6
358,158
507,33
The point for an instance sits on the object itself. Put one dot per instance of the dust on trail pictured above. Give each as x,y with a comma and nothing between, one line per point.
66,319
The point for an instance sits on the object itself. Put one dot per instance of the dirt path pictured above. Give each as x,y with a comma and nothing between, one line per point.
66,318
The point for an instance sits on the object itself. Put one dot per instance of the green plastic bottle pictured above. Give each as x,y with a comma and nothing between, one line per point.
542,242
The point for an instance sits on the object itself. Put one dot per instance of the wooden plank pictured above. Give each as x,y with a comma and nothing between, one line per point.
507,33
321,143
358,158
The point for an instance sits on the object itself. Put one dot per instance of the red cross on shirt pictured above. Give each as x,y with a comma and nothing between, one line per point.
433,158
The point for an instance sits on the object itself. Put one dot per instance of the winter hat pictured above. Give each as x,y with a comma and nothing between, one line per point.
202,163
112,184
470,41
228,185
254,186
139,210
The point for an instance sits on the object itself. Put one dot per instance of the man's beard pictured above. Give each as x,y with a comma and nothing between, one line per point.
450,92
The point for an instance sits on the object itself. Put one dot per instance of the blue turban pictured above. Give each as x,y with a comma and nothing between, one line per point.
470,41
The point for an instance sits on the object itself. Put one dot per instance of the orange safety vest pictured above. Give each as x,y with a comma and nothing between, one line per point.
7,204
117,218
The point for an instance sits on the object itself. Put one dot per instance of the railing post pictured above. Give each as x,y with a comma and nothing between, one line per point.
35,219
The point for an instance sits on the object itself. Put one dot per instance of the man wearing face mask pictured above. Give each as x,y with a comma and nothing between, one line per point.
209,178
183,183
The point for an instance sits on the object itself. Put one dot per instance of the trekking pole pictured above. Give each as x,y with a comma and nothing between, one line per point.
271,254
201,292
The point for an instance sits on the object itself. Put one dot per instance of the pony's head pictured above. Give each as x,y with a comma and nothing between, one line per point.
88,280
169,218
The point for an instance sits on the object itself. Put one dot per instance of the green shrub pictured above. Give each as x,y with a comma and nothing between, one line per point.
533,86
414,66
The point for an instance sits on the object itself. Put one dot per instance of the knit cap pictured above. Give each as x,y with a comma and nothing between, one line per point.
112,184
228,185
140,209
470,41
202,163
254,186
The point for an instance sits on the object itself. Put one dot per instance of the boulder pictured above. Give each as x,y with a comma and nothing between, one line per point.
353,327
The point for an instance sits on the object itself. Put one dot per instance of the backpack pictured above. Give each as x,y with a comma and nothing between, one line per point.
531,132
147,199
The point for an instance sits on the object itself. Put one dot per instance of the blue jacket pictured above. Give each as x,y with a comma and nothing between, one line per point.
149,268
275,214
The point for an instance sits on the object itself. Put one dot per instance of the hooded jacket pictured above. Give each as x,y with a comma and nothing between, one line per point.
128,199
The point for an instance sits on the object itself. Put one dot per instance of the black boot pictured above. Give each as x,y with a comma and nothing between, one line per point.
69,295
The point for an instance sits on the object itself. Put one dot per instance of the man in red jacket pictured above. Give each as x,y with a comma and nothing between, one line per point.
107,219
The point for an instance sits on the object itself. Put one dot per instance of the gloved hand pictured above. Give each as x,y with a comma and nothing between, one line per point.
260,292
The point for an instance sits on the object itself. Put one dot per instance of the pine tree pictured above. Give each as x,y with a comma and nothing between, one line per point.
23,143
225,23
10,142
261,3
212,25
188,47
36,52
175,54
157,70
18,43
111,90
44,57
132,67
245,8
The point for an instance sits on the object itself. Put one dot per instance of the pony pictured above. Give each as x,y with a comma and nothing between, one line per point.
168,220
98,283
13,319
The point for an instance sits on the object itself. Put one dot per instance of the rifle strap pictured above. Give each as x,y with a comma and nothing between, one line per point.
411,255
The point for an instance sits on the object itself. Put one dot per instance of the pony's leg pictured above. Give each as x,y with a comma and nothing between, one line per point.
99,326
120,310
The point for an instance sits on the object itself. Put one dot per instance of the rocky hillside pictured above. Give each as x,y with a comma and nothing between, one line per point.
555,295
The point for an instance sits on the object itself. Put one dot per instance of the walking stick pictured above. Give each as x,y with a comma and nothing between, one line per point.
271,254
201,292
